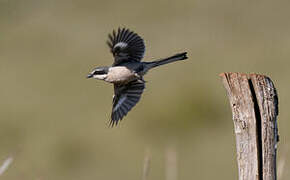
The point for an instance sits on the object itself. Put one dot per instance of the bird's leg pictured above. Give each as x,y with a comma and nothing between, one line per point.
139,77
139,73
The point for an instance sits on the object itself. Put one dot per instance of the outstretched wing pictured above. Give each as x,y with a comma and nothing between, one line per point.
126,45
125,98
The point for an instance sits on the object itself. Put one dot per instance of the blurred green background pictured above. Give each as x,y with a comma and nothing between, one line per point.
53,121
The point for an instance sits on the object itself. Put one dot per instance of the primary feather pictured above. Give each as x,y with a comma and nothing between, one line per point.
126,45
125,98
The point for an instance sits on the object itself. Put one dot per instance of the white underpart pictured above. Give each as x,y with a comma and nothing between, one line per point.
120,102
121,45
100,76
119,74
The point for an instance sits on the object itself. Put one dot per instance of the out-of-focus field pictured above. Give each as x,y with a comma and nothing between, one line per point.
53,121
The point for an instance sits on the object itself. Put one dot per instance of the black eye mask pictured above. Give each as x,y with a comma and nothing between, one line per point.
99,72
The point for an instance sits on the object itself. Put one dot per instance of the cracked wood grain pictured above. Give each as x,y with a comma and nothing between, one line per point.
254,103
267,99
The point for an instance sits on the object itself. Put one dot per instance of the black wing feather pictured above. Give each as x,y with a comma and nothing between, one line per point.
125,98
126,45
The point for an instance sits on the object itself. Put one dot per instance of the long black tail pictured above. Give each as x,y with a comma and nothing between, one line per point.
176,57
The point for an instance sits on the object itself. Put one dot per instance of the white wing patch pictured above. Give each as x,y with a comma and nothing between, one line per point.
120,102
121,45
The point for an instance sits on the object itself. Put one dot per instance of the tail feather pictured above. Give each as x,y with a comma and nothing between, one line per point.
176,57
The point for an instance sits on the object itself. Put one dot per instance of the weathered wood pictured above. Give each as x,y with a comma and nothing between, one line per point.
268,105
254,105
241,102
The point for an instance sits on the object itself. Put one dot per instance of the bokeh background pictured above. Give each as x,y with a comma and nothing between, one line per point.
54,122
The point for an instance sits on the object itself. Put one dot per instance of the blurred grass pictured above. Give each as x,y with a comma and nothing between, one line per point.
53,120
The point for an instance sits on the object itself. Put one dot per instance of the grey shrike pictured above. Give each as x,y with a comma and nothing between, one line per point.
127,71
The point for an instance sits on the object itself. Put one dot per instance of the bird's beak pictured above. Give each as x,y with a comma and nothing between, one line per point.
90,76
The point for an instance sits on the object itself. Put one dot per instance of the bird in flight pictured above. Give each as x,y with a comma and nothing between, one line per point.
127,70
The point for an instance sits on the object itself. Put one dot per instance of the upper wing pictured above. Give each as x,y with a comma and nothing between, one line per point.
125,98
126,45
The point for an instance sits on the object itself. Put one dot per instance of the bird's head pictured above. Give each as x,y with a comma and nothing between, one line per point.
99,73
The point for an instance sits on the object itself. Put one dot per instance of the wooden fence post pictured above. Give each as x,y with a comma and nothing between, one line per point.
254,103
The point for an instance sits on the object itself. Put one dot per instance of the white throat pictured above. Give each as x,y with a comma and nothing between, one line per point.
100,76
